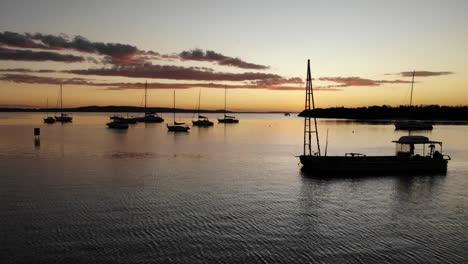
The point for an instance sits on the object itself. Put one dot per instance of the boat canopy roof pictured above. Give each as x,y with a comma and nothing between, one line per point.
415,140
230,117
200,116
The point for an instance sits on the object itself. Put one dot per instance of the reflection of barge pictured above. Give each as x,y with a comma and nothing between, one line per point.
430,160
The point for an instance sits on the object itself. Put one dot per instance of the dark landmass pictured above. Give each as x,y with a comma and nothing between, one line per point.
121,109
430,112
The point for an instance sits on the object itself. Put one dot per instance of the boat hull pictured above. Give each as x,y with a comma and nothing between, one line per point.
176,128
49,120
150,119
129,120
413,125
202,123
63,119
117,125
372,164
228,121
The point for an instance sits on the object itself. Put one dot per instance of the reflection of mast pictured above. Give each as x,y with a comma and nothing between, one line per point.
307,119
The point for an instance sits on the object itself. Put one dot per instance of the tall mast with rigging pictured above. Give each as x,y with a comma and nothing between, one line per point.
174,106
225,95
146,84
61,101
310,105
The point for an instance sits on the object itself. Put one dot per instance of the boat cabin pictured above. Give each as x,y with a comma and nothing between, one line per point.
405,147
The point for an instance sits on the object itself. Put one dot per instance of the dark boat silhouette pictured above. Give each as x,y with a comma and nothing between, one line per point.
405,160
149,117
117,124
48,119
202,121
64,118
177,127
227,119
128,120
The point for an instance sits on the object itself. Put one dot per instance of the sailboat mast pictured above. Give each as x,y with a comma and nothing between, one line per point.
174,106
146,84
411,97
47,107
61,101
199,100
225,95
309,101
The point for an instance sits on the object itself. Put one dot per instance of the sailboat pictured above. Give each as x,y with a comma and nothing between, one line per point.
405,160
202,120
48,119
412,124
226,118
150,117
63,117
118,124
177,127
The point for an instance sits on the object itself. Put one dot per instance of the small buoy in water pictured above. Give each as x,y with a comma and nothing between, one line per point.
353,131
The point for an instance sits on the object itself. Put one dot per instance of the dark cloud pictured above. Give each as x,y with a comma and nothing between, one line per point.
175,73
424,73
14,39
28,55
115,53
32,79
358,81
209,55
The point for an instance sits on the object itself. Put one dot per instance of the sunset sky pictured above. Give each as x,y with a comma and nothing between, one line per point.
362,52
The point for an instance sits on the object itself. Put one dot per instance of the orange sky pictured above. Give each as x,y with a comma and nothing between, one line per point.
360,54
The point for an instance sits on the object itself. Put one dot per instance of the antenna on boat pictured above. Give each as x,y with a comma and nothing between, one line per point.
326,144
309,101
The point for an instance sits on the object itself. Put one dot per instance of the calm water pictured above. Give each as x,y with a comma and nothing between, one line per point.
227,194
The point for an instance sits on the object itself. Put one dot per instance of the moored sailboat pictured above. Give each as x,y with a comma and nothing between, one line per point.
64,118
177,127
227,119
202,121
149,117
412,124
118,124
48,119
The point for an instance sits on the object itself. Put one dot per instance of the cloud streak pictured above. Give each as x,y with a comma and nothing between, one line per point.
175,73
358,81
211,56
33,79
28,55
424,73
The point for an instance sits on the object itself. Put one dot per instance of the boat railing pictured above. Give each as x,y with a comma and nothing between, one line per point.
354,154
446,157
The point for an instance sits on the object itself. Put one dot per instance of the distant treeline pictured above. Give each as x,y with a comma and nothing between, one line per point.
122,109
429,112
